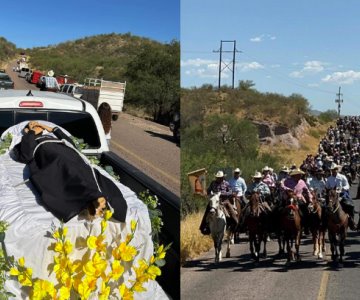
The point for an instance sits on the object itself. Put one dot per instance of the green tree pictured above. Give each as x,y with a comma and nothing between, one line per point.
154,79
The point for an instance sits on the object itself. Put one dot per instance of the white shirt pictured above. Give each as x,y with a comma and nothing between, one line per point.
238,185
339,181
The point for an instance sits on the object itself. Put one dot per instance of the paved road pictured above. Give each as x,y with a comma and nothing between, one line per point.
144,144
238,278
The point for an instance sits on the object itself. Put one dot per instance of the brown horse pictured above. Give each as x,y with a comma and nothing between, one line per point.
317,225
337,222
232,225
291,224
256,224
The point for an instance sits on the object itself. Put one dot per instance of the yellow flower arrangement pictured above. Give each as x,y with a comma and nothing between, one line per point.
99,274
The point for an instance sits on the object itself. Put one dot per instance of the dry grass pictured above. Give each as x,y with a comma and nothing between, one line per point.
192,242
309,145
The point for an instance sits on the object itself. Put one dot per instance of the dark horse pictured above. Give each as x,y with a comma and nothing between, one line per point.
291,224
256,224
337,222
317,225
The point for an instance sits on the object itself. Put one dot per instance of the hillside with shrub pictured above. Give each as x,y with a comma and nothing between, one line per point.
7,50
151,69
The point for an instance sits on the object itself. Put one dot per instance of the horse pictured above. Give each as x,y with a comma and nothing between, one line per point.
232,225
317,226
256,224
217,223
337,222
291,225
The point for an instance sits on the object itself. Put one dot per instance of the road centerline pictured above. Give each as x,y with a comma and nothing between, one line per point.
323,285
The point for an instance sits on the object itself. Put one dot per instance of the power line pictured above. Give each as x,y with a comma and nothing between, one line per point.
223,65
339,101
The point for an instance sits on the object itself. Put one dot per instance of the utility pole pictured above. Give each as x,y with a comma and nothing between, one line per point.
339,101
223,65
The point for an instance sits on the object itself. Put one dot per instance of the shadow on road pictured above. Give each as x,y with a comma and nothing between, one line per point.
276,263
166,137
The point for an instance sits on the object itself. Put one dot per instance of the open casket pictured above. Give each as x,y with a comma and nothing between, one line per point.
30,225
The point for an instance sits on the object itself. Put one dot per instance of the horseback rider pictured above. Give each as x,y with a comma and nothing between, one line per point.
317,182
339,182
258,186
295,183
219,185
238,186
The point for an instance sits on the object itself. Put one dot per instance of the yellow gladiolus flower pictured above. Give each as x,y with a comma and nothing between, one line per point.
141,276
125,292
94,242
22,262
153,271
95,267
24,279
68,247
117,270
103,225
64,231
104,292
59,247
56,235
14,272
125,252
133,225
107,215
137,287
86,287
42,289
64,293
160,252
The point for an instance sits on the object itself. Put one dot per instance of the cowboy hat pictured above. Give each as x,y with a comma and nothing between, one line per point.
219,174
51,73
334,166
285,169
257,175
296,172
237,170
266,168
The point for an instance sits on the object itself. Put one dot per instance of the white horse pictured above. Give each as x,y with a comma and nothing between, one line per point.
217,223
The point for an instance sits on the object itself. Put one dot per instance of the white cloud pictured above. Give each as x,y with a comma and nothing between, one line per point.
244,67
257,39
347,77
262,37
296,74
314,66
310,67
197,62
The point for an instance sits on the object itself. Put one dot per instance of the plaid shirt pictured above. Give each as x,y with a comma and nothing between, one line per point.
223,187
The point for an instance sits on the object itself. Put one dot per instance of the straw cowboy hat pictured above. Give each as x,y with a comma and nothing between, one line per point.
257,175
296,172
219,174
51,73
237,170
266,168
335,166
285,169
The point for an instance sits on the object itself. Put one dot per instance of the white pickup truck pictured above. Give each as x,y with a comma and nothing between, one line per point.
81,120
97,91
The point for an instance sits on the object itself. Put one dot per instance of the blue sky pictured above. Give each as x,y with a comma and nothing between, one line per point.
305,47
29,24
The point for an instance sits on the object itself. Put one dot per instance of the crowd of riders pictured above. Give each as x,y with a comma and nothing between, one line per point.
334,166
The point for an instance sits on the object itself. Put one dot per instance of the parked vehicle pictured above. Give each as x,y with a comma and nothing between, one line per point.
24,72
74,90
97,91
22,64
6,82
81,120
175,127
34,77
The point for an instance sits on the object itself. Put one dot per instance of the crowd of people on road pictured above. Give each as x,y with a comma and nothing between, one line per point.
334,166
